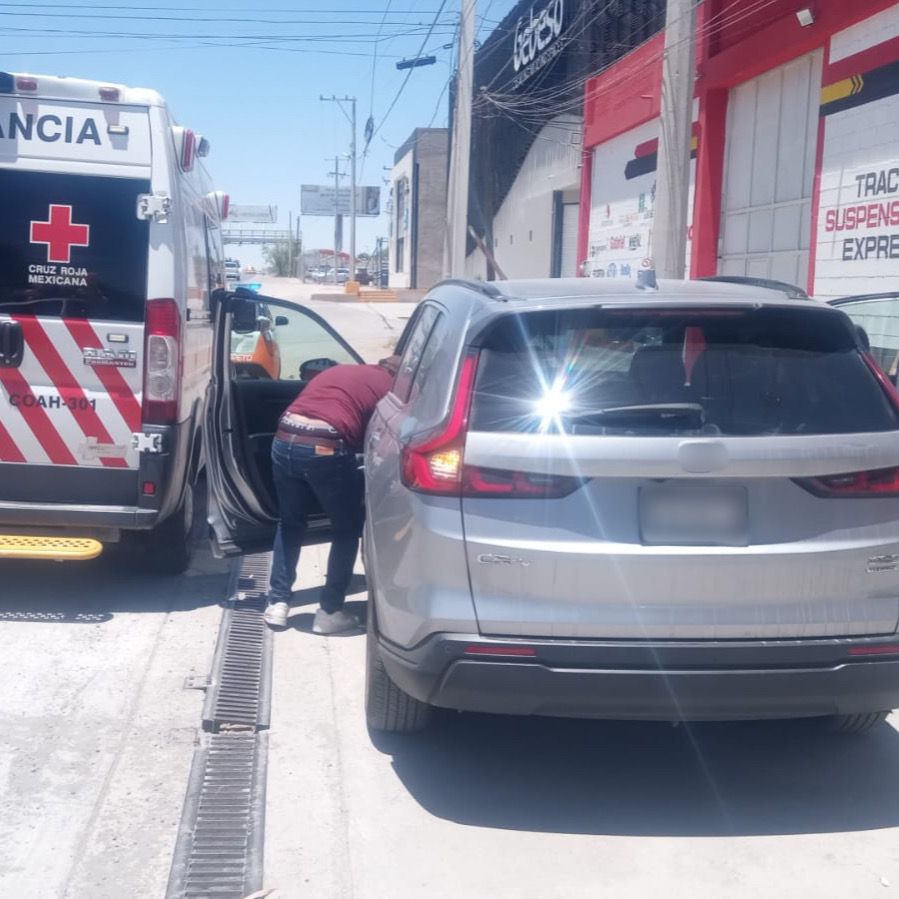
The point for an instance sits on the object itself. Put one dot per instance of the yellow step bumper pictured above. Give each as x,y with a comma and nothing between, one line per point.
59,549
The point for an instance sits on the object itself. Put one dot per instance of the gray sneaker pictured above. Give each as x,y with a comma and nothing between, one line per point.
334,622
275,614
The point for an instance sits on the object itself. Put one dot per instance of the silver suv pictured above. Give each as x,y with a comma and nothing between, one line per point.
591,499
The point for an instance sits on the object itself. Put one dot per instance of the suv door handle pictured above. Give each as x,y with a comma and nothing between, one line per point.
12,344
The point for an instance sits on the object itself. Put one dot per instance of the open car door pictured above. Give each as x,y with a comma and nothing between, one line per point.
265,352
877,315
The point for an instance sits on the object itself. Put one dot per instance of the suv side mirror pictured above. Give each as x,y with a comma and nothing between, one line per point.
281,321
312,367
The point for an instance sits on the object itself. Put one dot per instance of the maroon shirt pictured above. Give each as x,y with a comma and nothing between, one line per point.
345,397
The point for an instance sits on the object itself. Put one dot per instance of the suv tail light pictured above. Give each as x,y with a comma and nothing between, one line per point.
858,484
437,465
162,362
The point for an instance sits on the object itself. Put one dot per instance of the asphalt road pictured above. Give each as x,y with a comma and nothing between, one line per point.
372,329
96,729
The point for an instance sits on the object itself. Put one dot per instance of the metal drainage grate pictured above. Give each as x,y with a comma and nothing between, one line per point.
239,693
220,846
219,850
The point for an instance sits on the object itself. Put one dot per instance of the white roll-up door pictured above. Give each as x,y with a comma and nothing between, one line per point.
772,130
570,214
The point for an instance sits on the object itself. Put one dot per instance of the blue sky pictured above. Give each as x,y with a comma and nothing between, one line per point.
248,77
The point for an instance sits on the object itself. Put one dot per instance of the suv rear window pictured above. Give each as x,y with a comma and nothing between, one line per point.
729,371
72,245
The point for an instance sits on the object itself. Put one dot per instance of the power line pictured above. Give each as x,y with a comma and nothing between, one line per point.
409,72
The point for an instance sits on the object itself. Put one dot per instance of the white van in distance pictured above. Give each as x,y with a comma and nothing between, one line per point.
110,251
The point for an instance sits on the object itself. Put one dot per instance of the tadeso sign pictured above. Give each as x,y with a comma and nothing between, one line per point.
536,40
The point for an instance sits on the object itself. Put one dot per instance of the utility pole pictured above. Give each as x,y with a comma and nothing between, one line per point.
290,244
460,161
300,269
337,229
669,231
351,118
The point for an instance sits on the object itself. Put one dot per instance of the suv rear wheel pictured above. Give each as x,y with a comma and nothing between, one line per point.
387,707
855,724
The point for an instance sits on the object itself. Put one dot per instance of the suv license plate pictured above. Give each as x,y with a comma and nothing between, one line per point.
694,515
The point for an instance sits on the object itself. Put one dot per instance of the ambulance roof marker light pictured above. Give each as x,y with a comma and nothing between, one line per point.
111,94
26,84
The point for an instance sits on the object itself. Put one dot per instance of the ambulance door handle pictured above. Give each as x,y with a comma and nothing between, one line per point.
12,344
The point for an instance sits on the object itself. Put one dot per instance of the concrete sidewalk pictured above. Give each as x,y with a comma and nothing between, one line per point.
534,808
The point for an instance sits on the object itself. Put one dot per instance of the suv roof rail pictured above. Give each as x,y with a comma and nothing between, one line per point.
791,290
483,287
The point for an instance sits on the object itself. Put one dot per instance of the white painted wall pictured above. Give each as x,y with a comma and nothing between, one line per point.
622,204
522,228
769,170
402,170
857,236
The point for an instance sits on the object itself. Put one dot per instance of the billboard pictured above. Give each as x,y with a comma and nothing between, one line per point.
318,199
261,214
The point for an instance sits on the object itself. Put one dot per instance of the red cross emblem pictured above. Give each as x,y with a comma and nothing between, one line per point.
59,234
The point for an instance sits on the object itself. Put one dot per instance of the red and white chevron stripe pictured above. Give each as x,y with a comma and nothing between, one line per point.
56,410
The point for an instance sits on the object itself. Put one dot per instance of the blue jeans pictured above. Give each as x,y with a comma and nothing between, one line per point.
304,483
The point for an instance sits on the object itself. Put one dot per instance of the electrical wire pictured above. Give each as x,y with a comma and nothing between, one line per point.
411,69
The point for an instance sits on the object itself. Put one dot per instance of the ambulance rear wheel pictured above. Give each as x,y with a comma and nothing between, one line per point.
170,545
167,548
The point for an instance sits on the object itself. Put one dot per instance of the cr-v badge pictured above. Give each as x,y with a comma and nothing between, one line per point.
889,562
494,559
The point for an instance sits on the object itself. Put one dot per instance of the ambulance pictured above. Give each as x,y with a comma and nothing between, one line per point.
110,259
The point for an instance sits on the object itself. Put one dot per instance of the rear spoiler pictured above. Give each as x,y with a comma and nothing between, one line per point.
790,290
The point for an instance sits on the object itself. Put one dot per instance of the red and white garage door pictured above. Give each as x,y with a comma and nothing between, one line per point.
772,126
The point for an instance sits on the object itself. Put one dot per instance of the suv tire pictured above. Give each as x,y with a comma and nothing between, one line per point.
387,707
855,724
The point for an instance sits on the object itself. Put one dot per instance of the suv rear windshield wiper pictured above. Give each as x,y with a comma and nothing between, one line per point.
690,415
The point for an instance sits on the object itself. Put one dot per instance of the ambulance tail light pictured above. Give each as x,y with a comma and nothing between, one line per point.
162,362
188,150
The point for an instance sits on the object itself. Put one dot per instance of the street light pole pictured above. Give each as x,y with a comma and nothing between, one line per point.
351,118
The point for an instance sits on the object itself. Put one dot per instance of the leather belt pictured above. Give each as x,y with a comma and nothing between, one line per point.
335,444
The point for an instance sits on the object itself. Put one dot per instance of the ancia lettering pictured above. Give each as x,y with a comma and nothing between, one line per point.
536,33
49,129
